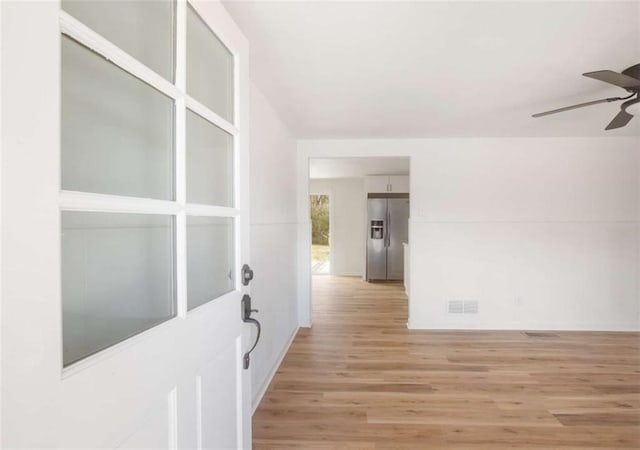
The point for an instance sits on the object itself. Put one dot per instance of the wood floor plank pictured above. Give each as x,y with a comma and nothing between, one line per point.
596,419
360,380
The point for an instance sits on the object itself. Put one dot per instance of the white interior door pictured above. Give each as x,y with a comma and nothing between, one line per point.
124,225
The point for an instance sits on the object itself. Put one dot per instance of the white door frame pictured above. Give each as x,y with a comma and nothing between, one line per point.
328,148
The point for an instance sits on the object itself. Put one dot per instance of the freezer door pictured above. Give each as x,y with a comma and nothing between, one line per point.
398,228
376,239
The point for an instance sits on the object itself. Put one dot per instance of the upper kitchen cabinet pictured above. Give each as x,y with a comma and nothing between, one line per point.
375,184
387,184
399,183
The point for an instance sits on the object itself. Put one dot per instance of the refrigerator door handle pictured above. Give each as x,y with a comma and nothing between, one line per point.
387,241
385,231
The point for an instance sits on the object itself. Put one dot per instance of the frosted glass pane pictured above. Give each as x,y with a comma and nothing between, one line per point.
209,67
209,163
117,131
144,29
210,259
117,278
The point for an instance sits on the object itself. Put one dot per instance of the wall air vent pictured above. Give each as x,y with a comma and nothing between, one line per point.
471,306
462,307
456,306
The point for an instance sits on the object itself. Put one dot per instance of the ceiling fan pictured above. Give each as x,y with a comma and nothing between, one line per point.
628,79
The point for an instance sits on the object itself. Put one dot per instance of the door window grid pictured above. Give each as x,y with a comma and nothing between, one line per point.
119,22
211,78
178,208
98,98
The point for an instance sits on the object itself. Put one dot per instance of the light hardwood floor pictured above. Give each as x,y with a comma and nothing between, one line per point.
360,380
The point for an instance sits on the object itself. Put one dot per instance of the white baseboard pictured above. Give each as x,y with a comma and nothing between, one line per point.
274,369
348,274
522,326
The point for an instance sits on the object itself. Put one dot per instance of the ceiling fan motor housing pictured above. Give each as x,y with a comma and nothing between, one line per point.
633,72
633,106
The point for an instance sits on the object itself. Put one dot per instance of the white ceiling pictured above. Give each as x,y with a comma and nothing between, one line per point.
357,167
439,69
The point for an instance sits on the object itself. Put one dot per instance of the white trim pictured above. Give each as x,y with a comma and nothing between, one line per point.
332,262
237,225
180,161
198,209
180,243
206,113
239,393
180,152
181,46
172,403
85,201
89,38
199,412
303,252
520,326
272,373
237,87
350,274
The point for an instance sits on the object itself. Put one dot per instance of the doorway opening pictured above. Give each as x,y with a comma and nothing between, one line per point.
320,234
359,236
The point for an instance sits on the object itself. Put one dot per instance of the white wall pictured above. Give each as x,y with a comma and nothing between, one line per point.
543,232
348,211
273,245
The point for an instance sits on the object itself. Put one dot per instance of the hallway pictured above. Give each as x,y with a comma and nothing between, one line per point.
360,380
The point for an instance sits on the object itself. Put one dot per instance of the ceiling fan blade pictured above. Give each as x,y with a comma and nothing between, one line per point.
620,120
579,105
615,78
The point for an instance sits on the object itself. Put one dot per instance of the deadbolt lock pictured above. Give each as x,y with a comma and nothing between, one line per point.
247,274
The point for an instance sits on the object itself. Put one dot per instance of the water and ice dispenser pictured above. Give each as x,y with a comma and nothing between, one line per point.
377,229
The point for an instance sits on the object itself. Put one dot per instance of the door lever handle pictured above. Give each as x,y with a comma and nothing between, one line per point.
246,308
246,318
247,355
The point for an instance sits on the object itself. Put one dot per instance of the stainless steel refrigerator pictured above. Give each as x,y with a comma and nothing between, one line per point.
387,229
